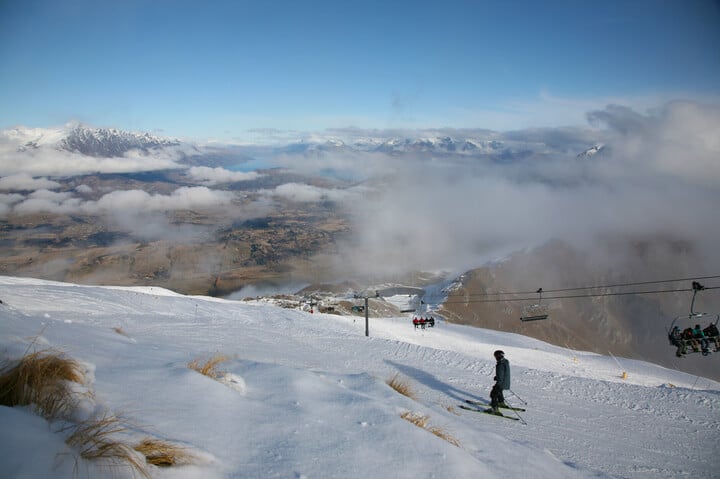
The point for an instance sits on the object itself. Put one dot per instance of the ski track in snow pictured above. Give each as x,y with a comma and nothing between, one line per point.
657,423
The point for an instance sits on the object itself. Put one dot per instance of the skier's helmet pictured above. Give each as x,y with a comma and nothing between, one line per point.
499,354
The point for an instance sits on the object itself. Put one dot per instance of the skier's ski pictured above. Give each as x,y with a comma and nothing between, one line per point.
488,412
478,403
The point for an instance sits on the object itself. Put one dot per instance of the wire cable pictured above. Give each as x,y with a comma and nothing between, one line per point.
606,286
451,298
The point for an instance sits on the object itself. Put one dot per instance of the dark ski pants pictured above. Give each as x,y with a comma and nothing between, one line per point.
496,396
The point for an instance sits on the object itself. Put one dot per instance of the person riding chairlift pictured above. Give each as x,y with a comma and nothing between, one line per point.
711,332
698,334
676,339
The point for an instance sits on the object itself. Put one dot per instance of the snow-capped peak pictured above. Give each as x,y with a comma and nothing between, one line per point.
74,137
110,142
590,152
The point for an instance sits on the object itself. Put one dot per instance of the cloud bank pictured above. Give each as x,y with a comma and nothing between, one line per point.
23,181
214,176
658,176
304,193
184,198
35,152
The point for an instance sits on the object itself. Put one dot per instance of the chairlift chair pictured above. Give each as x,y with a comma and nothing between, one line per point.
535,312
691,319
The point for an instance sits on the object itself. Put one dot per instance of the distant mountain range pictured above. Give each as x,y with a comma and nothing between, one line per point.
399,145
111,142
96,142
104,142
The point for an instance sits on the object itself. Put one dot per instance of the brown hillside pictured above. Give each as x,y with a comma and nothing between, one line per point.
629,326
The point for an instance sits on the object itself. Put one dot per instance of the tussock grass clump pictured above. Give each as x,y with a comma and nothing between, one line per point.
401,386
164,454
47,380
41,379
93,439
209,367
418,419
120,331
424,422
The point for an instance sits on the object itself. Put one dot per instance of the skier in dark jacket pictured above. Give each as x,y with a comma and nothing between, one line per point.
711,332
676,339
502,381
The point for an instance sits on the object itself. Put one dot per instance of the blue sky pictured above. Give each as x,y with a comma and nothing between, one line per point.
222,69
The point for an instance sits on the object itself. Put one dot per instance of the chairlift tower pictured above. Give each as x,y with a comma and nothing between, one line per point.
367,319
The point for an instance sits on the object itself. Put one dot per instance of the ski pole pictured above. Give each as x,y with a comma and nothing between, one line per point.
521,400
515,411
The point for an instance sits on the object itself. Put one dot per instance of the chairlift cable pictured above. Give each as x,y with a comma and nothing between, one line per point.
618,285
573,296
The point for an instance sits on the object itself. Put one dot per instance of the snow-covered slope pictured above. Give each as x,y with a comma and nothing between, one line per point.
304,396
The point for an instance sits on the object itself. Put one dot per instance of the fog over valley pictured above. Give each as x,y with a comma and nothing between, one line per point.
630,197
423,205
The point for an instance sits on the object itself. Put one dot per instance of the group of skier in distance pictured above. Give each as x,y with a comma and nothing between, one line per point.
422,322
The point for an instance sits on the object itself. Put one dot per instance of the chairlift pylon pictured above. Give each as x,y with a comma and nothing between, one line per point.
537,311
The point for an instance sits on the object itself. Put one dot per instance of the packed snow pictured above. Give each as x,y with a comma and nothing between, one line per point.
305,395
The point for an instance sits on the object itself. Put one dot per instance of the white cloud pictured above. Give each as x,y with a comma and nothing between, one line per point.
34,152
547,110
48,201
51,162
658,177
25,182
679,141
303,193
199,197
7,201
11,198
127,201
347,164
212,176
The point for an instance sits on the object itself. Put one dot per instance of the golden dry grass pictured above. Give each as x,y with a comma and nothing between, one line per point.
209,367
424,422
418,419
41,379
164,454
401,386
120,331
442,434
93,439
